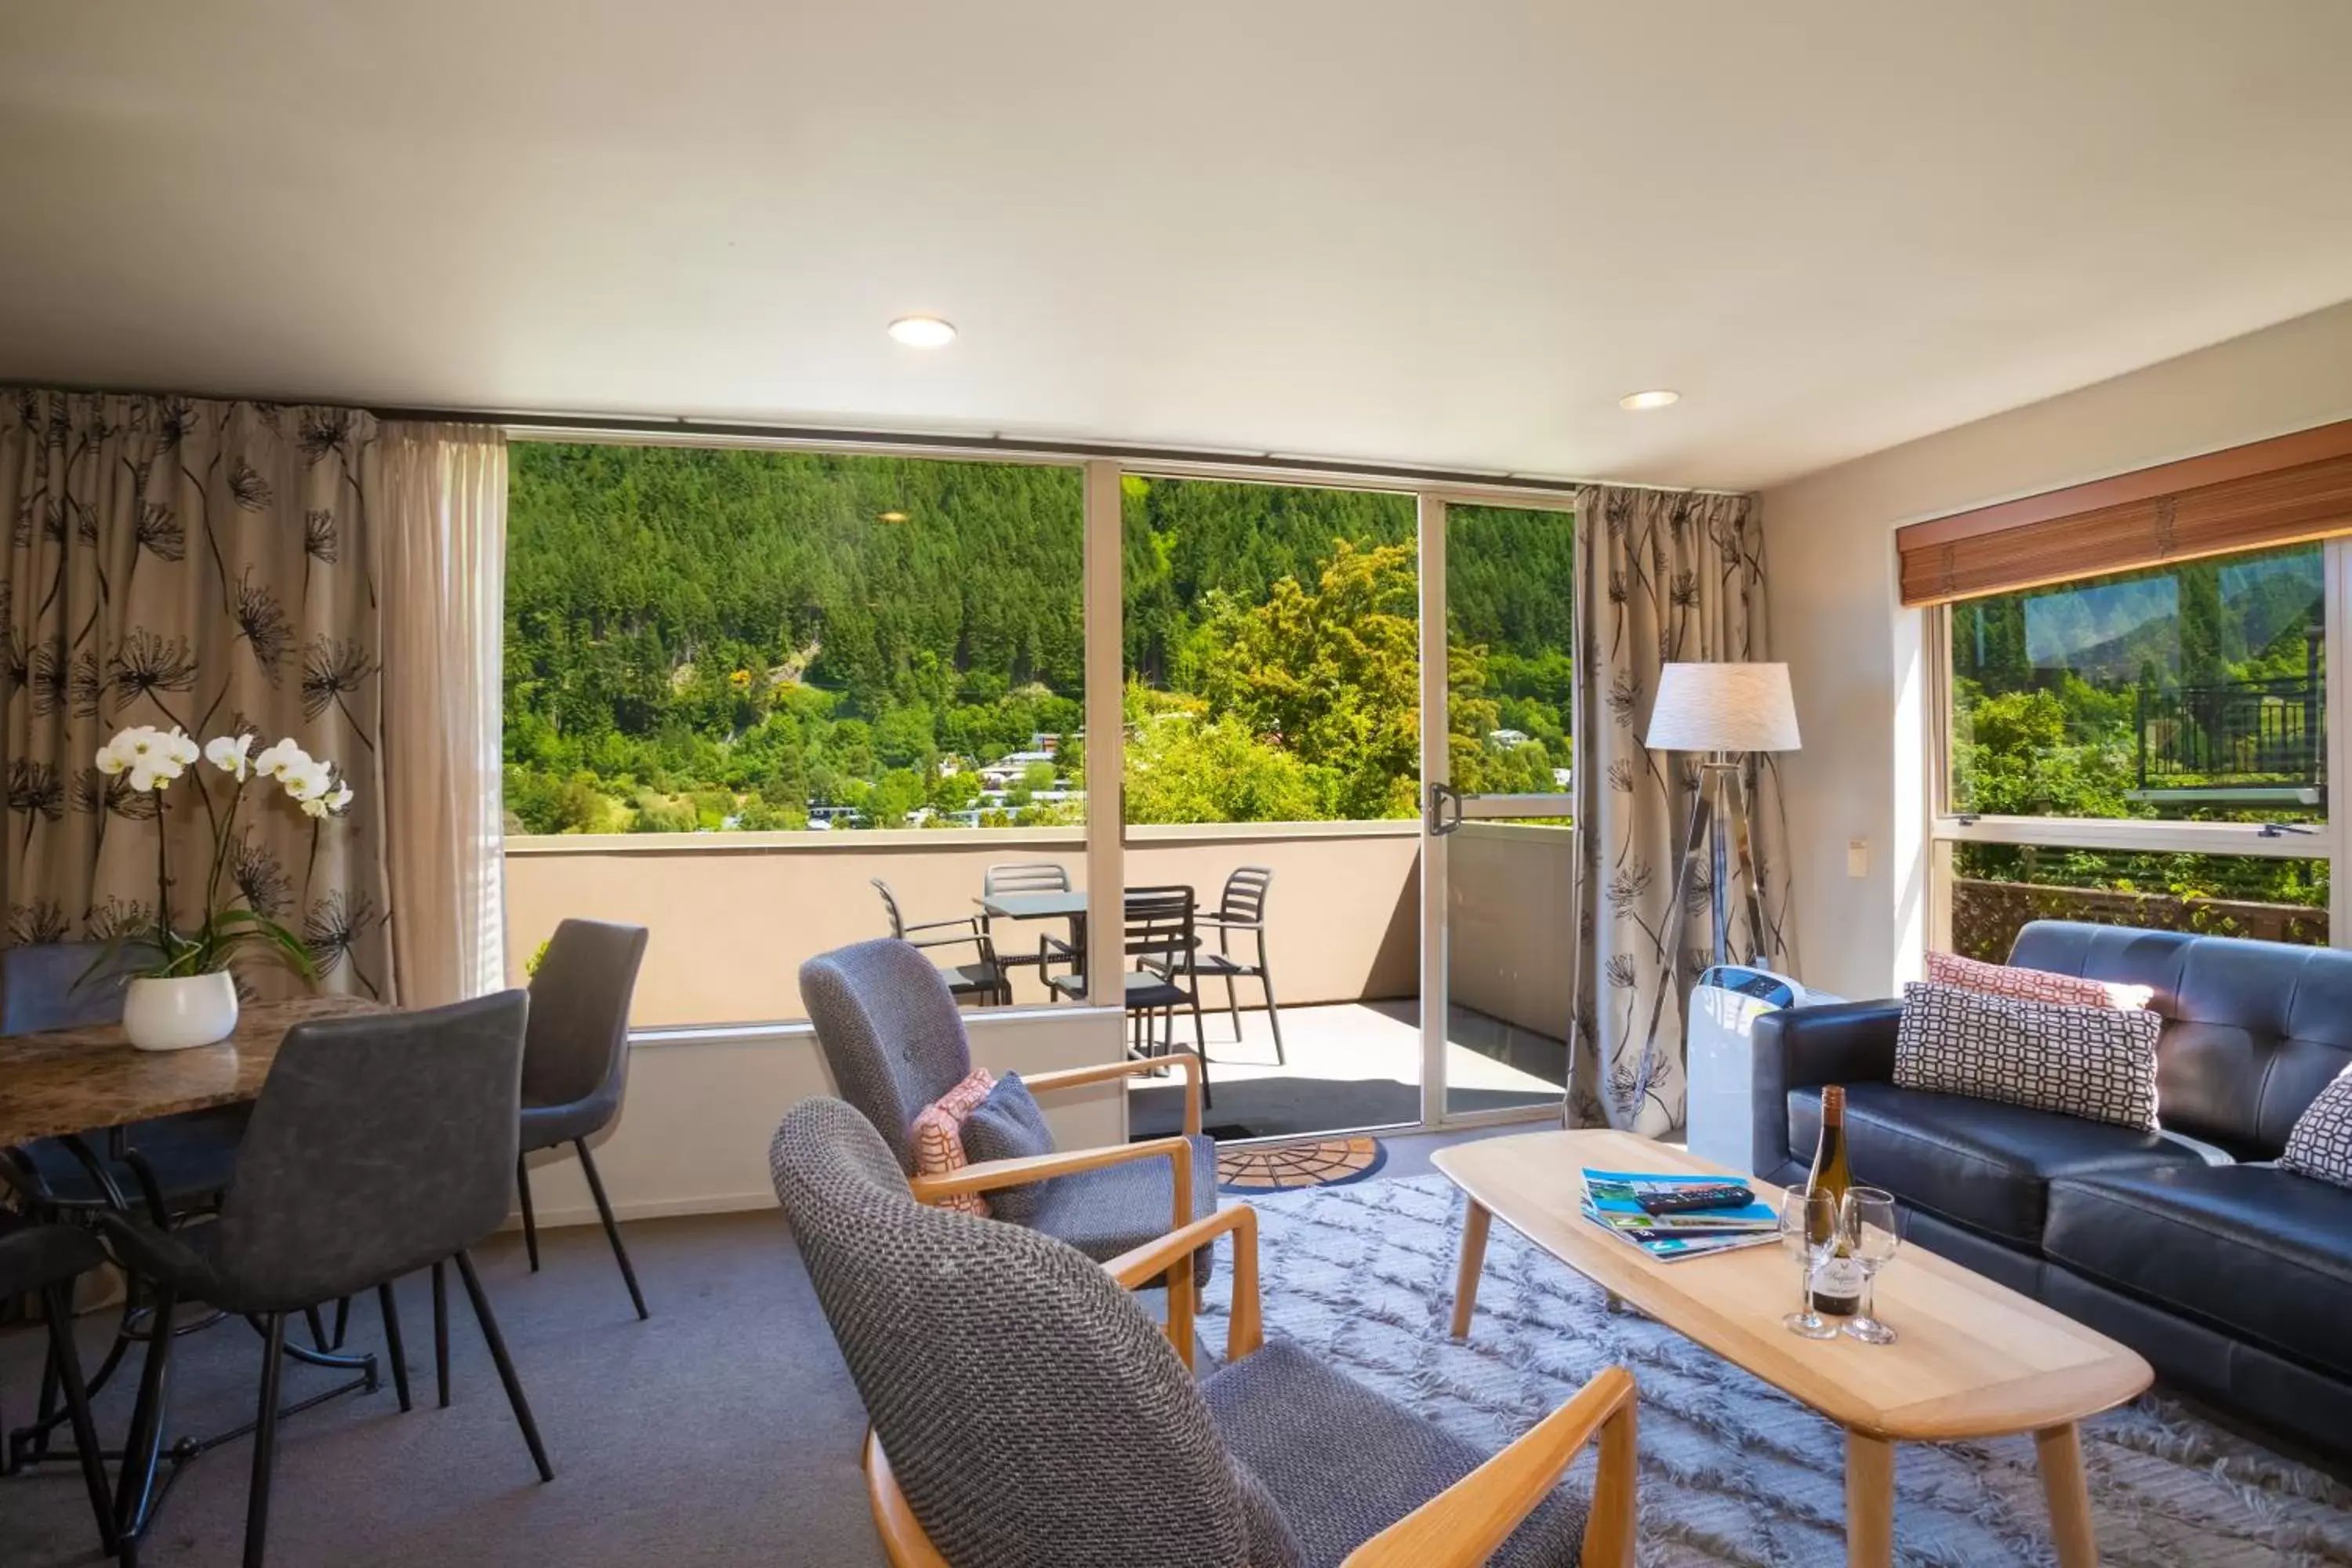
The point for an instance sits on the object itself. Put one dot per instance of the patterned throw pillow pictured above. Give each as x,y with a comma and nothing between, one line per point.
2098,1063
938,1137
2321,1141
2033,985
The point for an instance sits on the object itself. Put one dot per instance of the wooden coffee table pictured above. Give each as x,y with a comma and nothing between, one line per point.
1975,1359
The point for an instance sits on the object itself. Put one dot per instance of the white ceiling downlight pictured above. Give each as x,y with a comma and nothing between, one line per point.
1641,402
923,332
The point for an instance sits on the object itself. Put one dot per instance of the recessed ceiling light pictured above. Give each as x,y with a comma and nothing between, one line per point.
1638,401
923,332
890,516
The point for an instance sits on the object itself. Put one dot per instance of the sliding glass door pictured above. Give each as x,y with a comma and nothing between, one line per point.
1499,594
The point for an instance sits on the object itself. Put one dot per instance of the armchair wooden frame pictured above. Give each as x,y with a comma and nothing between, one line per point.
1461,1527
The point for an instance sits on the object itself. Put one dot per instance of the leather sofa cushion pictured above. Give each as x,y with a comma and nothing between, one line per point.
1976,1162
2257,1251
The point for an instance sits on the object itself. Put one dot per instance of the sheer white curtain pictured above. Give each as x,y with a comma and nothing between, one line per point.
443,570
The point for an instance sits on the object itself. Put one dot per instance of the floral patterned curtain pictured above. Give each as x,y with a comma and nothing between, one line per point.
1669,578
210,566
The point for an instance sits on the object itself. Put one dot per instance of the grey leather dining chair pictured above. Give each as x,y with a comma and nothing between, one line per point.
43,1261
576,1065
380,1145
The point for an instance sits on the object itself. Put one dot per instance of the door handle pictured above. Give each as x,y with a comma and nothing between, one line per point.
1434,817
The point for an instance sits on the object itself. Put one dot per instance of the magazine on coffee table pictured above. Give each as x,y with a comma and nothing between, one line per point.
1613,1202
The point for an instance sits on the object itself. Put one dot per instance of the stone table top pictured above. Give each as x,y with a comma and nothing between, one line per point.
75,1080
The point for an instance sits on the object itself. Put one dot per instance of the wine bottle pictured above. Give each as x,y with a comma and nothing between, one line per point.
1837,1279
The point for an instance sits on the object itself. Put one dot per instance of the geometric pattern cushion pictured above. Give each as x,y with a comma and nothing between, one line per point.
938,1137
2033,985
2321,1141
2094,1062
1008,1125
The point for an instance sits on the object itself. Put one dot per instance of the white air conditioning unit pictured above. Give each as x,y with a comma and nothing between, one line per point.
1723,1006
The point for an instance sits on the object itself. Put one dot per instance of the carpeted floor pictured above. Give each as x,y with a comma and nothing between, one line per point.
723,1431
1734,1475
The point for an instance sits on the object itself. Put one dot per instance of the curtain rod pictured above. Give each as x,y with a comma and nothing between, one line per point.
1269,463
1026,447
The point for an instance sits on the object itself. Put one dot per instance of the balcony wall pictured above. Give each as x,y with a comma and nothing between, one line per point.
1511,947
734,915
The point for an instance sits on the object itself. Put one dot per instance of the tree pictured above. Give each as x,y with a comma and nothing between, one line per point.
1180,770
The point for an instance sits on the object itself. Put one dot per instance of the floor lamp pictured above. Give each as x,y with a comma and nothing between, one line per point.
1723,712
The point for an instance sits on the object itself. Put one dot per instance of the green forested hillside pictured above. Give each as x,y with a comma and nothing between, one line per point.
700,638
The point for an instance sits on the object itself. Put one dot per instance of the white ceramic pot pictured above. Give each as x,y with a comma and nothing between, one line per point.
174,1014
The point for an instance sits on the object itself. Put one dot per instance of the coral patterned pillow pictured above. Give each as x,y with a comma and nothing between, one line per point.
938,1137
2034,984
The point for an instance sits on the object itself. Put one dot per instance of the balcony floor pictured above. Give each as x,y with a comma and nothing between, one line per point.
1350,1065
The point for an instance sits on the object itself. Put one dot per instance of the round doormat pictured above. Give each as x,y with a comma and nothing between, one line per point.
1286,1167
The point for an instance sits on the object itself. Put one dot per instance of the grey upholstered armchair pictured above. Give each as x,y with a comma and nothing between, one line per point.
894,1040
1026,1410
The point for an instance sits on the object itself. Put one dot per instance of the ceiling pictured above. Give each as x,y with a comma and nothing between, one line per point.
1447,235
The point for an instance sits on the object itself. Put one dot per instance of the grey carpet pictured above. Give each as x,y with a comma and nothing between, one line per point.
723,1431
1732,1472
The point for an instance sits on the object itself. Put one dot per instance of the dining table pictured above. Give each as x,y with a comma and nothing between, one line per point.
78,1083
1048,904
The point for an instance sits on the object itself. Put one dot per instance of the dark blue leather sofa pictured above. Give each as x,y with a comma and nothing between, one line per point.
2233,1276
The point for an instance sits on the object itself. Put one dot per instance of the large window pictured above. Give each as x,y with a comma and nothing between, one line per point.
707,641
2179,715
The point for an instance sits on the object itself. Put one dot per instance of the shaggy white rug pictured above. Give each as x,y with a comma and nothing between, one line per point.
1732,1471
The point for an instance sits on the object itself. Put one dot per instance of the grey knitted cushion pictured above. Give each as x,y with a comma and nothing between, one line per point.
1008,1125
1343,1463
890,1032
1105,1212
1032,1413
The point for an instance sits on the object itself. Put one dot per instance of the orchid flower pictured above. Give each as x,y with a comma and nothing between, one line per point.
229,753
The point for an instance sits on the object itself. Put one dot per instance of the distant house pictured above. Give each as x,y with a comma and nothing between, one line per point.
1507,740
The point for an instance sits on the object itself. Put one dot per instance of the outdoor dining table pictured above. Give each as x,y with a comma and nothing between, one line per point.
70,1084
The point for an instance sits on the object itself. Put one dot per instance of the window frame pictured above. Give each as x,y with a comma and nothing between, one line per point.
2330,841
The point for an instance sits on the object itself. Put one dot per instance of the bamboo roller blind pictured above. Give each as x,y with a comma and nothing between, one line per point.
2283,491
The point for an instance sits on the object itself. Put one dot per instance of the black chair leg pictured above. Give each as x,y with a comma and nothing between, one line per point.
441,1332
391,1343
56,1305
1200,1034
498,1345
342,1321
1273,1014
612,1231
265,1446
318,1327
142,1446
1232,1007
530,1224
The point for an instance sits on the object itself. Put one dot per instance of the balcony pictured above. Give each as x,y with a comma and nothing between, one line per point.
734,915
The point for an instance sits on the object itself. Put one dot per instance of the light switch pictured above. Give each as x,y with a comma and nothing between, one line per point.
1857,858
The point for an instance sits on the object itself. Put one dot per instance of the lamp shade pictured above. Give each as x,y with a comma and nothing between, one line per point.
1723,707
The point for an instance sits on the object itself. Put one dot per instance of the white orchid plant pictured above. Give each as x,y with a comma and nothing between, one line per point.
149,759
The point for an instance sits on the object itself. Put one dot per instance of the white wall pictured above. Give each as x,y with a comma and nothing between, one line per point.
1854,655
692,1136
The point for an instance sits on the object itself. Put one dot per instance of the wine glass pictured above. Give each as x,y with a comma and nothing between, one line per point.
1873,1229
1808,1224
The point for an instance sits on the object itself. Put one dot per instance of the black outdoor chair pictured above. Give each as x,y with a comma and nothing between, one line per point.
1160,940
1022,877
381,1145
44,1260
576,1062
1242,909
984,981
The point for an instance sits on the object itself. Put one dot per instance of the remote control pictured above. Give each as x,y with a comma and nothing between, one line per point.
1683,1200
